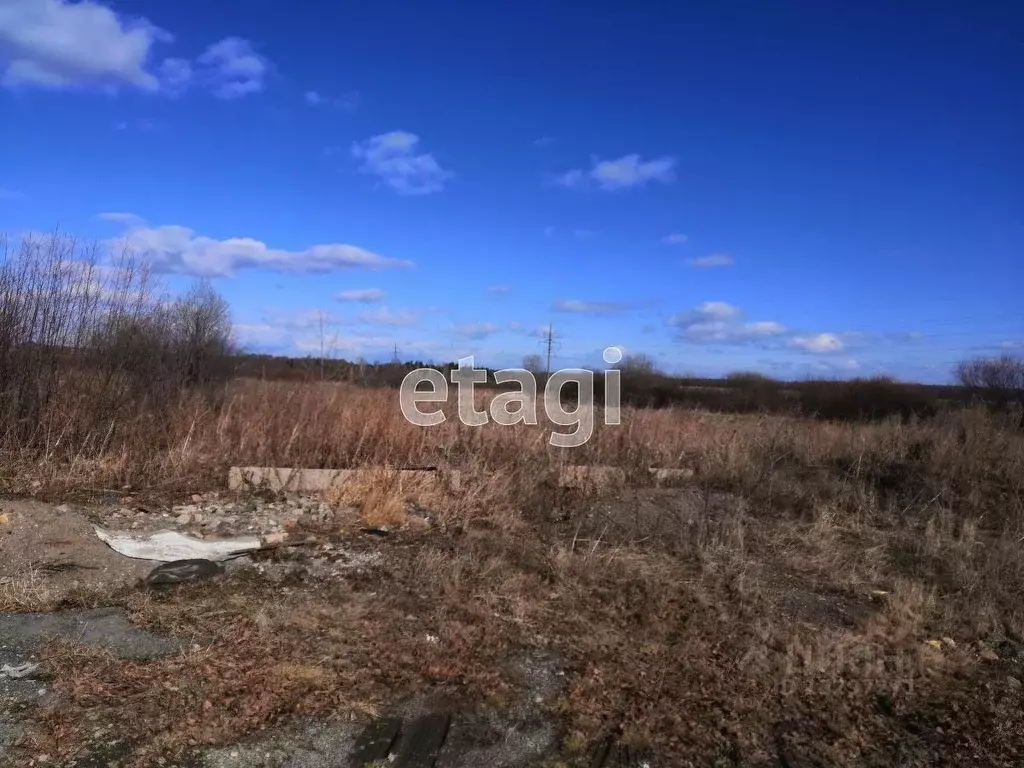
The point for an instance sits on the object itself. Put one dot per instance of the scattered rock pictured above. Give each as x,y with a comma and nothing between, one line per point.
989,655
20,671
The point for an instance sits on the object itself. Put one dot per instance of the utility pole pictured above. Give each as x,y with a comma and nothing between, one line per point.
394,358
550,343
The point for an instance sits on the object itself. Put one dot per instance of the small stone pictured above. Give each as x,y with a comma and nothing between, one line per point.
63,508
183,519
989,655
274,539
196,498
1013,682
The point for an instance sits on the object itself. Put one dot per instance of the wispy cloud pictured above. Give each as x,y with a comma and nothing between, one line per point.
348,101
818,343
675,239
392,157
362,295
721,322
175,76
10,194
543,141
476,330
389,317
584,234
711,261
232,68
140,124
499,290
591,307
178,249
627,172
118,217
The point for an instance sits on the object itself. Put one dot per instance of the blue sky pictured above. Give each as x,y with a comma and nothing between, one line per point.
801,188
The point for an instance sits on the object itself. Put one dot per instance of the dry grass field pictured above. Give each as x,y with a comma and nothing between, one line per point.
816,593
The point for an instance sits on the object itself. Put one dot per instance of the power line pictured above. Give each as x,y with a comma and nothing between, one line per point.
550,343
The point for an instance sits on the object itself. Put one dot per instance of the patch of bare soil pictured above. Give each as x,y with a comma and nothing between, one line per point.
51,554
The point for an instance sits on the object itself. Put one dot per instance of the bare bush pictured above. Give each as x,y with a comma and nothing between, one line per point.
533,363
87,344
998,379
639,364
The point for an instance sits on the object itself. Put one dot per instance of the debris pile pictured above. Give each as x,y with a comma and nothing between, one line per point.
211,515
284,538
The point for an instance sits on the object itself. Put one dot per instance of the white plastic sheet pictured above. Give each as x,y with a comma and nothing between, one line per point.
167,546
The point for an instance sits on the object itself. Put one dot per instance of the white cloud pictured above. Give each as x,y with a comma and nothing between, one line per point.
362,295
626,172
584,234
574,178
712,260
180,250
128,219
59,44
10,194
499,290
590,307
232,68
718,321
549,231
821,342
392,157
675,239
302,320
709,310
544,141
476,330
765,328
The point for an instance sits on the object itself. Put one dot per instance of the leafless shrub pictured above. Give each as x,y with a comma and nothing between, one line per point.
533,363
997,379
87,345
638,364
